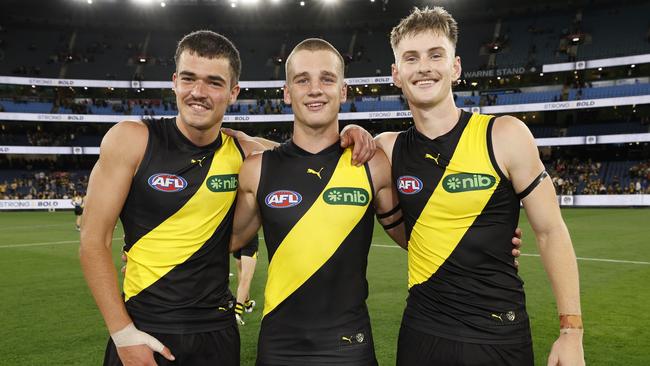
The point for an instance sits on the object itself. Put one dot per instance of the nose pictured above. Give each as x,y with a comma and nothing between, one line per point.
198,89
424,66
315,88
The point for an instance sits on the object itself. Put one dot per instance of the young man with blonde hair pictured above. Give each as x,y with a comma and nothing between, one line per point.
460,180
317,211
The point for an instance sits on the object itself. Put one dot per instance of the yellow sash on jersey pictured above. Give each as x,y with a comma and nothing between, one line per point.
447,216
316,236
182,234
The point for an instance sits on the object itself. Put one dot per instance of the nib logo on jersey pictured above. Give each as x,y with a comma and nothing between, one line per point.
222,183
283,199
463,182
408,184
346,196
166,182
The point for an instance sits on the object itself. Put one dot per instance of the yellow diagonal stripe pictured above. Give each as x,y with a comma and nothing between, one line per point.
447,216
316,236
182,234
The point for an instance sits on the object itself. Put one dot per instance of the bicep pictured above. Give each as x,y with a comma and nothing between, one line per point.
108,187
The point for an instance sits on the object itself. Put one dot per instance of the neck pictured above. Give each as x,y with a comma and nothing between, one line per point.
314,140
436,120
197,136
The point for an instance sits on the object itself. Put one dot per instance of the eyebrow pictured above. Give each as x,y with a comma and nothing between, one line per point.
210,77
322,73
430,50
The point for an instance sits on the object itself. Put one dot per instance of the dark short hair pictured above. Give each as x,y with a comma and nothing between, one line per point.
209,44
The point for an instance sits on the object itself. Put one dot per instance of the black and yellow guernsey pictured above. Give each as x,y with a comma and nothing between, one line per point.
460,214
318,224
177,223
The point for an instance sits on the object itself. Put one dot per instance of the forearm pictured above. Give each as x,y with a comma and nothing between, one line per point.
101,276
268,144
561,267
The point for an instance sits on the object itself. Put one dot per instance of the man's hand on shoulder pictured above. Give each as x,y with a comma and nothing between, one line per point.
364,145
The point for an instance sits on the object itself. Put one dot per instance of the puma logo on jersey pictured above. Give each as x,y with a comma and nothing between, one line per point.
316,173
497,317
199,161
429,156
349,340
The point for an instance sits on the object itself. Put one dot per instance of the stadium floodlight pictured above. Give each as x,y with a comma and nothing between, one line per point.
302,3
329,1
89,1
633,66
372,1
163,4
143,2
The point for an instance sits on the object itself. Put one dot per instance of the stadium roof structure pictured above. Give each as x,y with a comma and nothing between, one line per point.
255,13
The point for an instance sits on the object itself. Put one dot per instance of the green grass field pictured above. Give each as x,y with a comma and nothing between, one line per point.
49,318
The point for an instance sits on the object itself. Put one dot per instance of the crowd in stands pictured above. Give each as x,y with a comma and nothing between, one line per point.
574,176
42,185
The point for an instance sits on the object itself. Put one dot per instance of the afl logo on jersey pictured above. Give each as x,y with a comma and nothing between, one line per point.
283,199
166,182
408,184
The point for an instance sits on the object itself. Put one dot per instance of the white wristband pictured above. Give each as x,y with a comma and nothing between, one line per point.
131,336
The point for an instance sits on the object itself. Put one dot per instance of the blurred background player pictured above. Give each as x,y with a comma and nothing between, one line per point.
246,259
78,203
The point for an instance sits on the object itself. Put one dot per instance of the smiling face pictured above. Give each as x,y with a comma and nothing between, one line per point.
425,68
203,90
315,87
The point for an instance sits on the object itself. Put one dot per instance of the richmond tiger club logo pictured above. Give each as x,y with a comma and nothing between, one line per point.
166,182
464,182
349,196
408,184
283,199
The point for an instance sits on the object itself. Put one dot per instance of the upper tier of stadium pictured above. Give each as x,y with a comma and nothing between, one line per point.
116,40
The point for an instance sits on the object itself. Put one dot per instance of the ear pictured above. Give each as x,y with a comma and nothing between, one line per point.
344,92
234,93
287,96
395,74
174,81
458,69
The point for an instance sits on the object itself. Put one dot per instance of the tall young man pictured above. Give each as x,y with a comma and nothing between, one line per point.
172,182
460,179
317,212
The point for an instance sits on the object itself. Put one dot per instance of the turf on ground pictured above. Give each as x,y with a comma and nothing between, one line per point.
49,318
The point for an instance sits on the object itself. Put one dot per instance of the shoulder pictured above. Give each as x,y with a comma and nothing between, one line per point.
386,142
249,173
133,134
509,127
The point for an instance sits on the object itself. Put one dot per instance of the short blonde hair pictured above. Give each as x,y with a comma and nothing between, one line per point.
435,19
314,44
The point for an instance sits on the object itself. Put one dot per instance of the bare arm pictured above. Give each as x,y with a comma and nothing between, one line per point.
243,138
518,157
386,141
247,219
108,188
385,199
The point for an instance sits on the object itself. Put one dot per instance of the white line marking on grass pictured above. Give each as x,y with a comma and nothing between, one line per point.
44,243
537,255
33,226
597,259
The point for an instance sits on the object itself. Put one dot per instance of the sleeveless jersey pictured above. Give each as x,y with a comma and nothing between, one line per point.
460,213
318,225
177,222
